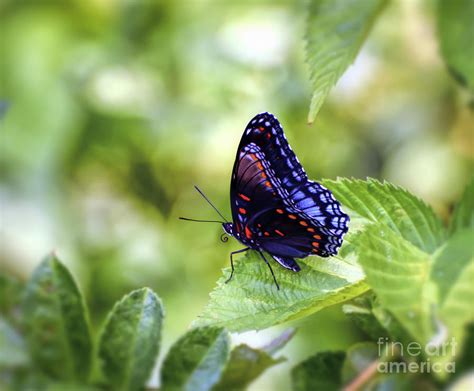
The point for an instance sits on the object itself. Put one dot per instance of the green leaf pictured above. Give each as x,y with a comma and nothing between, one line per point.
70,387
13,352
390,323
431,295
456,29
319,372
245,365
374,319
197,360
336,30
372,201
398,272
451,262
463,216
24,379
251,301
453,273
56,322
10,298
358,358
360,312
130,340
466,359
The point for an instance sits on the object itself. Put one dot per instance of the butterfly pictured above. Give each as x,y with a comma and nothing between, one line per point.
276,209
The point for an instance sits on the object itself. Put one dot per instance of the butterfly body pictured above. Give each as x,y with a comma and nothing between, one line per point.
275,207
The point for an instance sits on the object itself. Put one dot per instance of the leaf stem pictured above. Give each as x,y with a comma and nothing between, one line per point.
363,377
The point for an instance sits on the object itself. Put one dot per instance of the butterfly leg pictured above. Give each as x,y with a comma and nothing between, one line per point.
232,262
271,270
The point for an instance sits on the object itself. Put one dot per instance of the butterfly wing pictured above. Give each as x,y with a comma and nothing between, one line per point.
274,205
252,191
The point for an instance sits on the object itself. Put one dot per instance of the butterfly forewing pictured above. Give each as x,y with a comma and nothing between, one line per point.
252,192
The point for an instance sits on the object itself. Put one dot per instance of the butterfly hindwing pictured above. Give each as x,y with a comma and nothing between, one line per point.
287,263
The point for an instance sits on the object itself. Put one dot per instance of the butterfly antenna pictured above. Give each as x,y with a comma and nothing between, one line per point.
201,221
209,202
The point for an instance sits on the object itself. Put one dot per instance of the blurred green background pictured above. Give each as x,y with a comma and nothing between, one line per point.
113,110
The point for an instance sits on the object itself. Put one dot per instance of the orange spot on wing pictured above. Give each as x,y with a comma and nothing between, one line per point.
269,135
310,229
242,210
279,233
280,211
315,244
248,233
303,223
317,237
266,234
268,184
252,156
292,217
259,165
261,128
244,197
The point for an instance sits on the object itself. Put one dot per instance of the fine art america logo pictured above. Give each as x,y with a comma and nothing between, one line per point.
414,357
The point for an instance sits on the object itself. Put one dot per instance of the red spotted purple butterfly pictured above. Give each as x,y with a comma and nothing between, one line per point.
276,209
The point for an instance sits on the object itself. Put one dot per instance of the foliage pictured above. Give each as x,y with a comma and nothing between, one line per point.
130,339
463,215
422,294
10,297
373,202
420,277
56,323
60,347
251,301
455,31
197,360
414,286
359,358
335,33
245,365
322,371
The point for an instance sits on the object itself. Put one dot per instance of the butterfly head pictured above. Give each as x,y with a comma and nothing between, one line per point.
228,228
